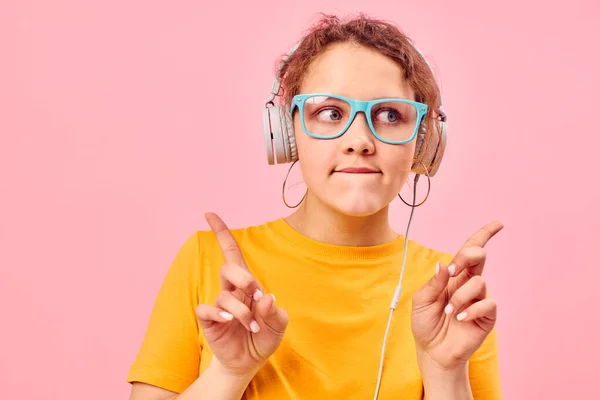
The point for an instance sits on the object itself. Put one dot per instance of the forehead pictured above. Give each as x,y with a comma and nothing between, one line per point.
352,70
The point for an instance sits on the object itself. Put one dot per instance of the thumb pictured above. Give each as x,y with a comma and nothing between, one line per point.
274,317
433,289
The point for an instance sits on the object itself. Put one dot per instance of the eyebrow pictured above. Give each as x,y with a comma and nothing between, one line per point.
390,96
370,98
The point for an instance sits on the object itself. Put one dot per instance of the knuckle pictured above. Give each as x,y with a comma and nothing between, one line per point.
474,253
227,269
231,270
478,281
224,270
246,281
457,299
202,311
199,310
230,247
482,252
223,297
237,276
245,314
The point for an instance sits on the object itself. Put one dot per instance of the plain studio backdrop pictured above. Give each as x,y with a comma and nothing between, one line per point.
122,122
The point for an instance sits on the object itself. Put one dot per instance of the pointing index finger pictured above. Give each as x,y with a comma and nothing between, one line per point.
483,235
472,254
229,247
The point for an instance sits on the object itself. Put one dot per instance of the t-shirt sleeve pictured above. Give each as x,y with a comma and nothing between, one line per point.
169,356
484,372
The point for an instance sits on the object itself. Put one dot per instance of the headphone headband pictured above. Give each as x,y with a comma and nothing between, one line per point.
276,86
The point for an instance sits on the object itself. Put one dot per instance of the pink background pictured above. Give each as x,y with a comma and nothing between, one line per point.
121,123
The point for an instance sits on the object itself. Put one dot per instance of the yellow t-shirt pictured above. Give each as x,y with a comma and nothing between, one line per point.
337,299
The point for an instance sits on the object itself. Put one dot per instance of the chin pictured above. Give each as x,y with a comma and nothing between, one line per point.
359,207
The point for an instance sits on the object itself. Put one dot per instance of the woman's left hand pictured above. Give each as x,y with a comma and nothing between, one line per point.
451,315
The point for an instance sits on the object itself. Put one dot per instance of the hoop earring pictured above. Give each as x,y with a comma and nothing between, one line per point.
415,191
283,189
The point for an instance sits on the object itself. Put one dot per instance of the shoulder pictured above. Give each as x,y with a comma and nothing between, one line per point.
421,252
206,244
422,260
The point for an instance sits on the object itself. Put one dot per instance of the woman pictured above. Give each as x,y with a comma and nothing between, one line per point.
217,332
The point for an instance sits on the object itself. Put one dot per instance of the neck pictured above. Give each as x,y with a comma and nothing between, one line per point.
322,223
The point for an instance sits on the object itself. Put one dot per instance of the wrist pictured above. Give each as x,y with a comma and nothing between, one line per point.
235,377
445,382
217,383
426,362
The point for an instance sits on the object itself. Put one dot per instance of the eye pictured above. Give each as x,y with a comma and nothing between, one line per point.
329,114
388,116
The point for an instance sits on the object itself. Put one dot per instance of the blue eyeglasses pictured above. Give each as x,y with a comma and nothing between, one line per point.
328,116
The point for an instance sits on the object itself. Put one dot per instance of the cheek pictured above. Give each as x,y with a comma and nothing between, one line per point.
319,152
396,161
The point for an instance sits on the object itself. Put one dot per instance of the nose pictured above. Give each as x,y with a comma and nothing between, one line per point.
358,138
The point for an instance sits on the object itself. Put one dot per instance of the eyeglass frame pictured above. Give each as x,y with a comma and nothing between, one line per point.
357,106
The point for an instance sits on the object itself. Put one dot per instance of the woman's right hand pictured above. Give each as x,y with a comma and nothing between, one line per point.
244,327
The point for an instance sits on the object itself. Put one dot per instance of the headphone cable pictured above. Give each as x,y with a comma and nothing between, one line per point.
397,292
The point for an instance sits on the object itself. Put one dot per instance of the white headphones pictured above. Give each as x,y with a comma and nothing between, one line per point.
280,140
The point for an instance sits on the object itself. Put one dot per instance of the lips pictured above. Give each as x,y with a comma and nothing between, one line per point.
358,170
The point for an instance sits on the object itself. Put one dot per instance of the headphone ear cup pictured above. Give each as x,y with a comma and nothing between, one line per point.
279,131
420,141
289,134
284,141
436,159
268,136
432,157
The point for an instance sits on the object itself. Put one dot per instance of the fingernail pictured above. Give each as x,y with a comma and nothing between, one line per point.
449,309
273,296
226,315
257,295
254,326
452,269
437,269
461,316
